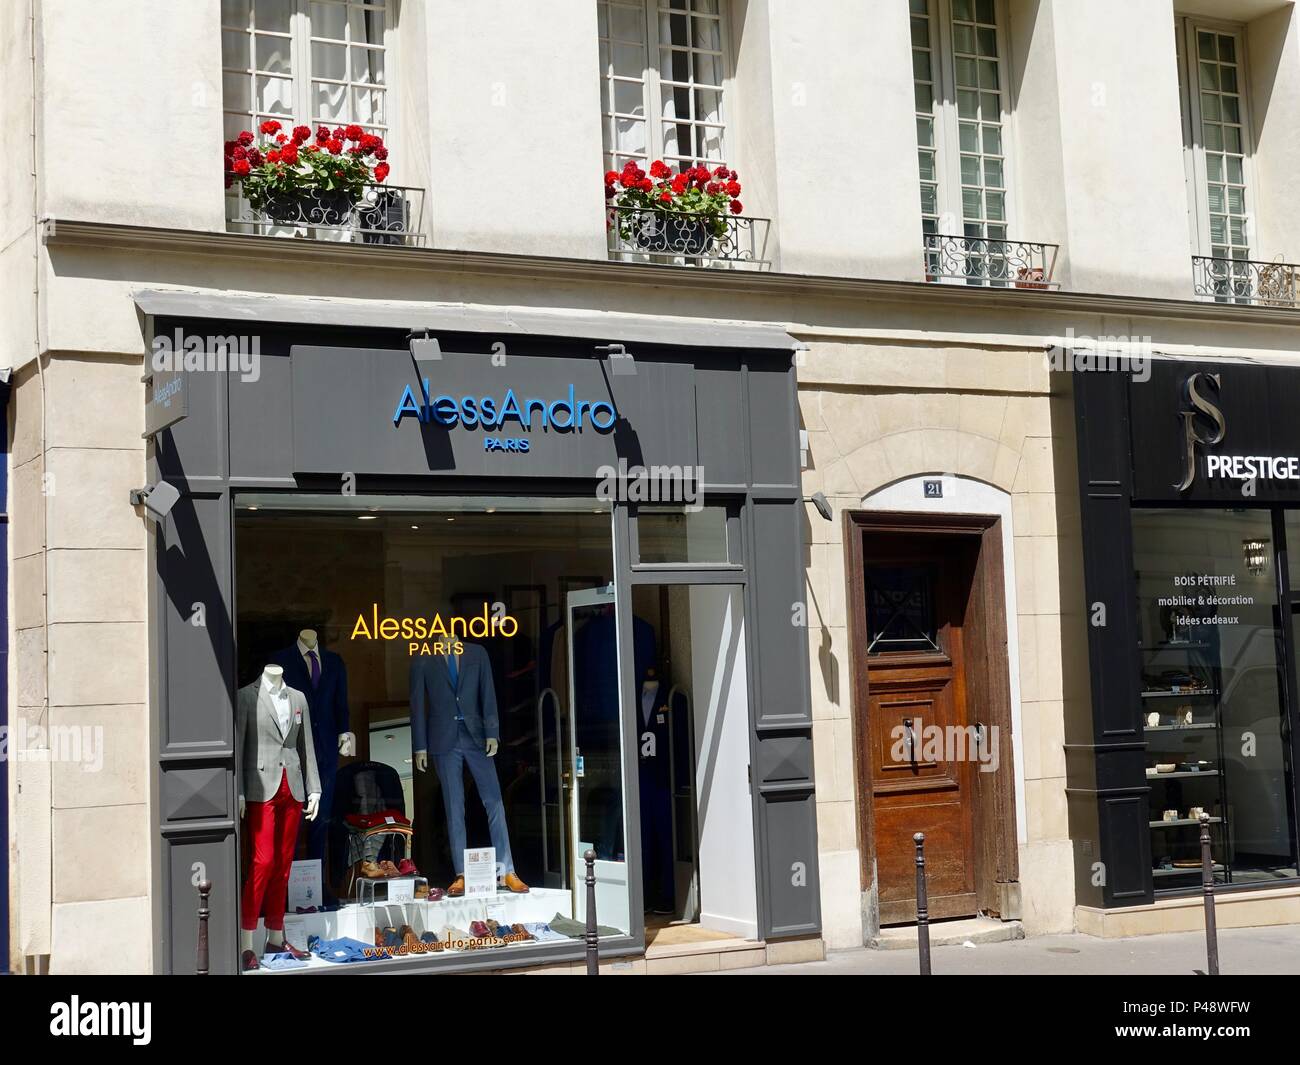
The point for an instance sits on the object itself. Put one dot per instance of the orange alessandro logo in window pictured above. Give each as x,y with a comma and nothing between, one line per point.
437,635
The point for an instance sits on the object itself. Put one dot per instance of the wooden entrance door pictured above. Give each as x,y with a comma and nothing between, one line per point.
916,747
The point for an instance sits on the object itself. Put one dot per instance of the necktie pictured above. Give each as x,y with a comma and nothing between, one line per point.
315,668
453,671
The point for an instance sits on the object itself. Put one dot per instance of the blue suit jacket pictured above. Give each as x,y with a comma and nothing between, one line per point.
435,703
328,701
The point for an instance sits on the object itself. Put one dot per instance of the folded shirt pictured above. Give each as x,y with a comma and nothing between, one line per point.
577,929
283,960
544,933
341,950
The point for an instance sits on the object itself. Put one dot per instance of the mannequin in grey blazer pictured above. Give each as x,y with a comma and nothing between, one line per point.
265,752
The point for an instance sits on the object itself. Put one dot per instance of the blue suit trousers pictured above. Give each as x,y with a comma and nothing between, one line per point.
451,775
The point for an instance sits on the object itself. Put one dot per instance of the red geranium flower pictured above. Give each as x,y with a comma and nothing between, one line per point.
736,207
339,133
658,169
322,134
254,156
245,138
666,197
381,152
289,153
722,172
239,152
733,188
381,172
301,134
241,167
335,146
611,176
646,185
353,132
270,126
273,156
679,183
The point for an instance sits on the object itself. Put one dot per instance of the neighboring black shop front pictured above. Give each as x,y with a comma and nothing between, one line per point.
322,421
1190,517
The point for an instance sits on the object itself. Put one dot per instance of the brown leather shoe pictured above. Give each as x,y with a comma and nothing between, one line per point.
512,883
248,962
285,947
457,888
389,869
371,871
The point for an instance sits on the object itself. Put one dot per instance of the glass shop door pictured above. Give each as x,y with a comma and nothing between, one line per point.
595,763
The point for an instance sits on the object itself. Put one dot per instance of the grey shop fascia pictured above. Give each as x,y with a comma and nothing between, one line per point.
359,408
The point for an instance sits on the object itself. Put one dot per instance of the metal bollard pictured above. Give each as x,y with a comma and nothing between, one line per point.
1207,888
201,951
593,940
922,906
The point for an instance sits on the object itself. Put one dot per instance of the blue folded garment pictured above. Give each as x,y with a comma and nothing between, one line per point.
283,960
545,932
341,950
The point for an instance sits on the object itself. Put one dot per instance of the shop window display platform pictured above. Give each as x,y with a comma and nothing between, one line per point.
359,922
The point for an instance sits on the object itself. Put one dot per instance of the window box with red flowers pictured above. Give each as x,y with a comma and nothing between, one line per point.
693,213
305,179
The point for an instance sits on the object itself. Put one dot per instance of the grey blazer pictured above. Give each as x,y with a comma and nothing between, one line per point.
265,752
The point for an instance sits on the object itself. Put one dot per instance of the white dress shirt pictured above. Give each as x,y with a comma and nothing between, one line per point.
280,700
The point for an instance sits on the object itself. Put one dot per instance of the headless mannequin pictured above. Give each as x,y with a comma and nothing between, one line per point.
347,740
422,757
273,676
649,694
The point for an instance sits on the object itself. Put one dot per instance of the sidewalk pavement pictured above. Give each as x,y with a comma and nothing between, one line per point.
1244,951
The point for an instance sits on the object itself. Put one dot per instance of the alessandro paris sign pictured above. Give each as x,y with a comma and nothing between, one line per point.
567,414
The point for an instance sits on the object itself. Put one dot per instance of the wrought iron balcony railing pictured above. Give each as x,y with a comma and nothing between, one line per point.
989,262
385,214
1244,281
639,234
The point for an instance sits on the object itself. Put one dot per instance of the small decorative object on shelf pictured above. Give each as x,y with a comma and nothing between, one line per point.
305,179
683,213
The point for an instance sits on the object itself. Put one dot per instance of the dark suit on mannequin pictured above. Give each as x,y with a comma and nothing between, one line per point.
452,718
327,699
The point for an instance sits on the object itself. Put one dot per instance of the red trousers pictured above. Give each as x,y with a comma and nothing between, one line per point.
273,832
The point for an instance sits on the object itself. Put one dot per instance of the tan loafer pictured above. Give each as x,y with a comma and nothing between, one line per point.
512,883
457,888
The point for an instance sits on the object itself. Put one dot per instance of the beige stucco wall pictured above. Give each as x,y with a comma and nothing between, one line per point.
73,528
881,412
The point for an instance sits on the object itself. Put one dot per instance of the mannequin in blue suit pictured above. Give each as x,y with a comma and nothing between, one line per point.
327,699
454,721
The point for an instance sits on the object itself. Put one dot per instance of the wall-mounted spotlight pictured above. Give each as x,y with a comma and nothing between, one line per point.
819,500
157,499
423,345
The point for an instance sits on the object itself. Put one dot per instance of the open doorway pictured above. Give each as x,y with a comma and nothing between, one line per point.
690,722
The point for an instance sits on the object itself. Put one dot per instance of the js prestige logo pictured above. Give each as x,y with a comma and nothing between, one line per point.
1201,395
1195,394
568,414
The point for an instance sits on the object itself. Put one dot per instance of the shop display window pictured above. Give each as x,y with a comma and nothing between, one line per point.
1214,704
438,684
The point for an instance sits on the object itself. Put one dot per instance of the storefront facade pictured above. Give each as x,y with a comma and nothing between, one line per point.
1188,489
361,485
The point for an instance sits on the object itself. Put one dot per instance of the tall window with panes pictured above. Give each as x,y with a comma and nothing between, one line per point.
307,61
663,71
1217,142
960,82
